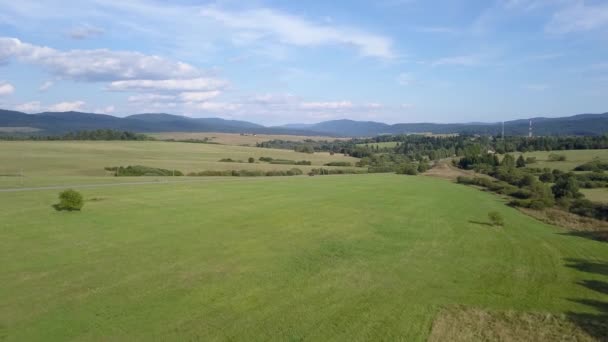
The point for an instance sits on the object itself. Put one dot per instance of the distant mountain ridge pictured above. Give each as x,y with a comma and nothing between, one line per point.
63,122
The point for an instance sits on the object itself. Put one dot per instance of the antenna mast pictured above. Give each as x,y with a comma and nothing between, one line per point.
530,130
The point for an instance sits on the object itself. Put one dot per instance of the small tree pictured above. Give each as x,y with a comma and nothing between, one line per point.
69,200
496,219
251,160
521,162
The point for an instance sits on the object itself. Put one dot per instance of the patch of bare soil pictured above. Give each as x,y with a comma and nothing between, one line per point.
457,324
444,169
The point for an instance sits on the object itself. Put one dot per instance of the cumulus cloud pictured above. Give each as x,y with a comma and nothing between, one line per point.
105,110
216,106
579,17
66,106
199,96
288,29
463,60
29,107
405,79
45,86
327,105
85,32
6,88
96,65
195,84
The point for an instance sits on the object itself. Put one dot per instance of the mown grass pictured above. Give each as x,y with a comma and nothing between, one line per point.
237,139
574,158
596,195
368,257
46,162
385,144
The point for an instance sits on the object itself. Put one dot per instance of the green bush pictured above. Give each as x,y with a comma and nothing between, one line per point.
557,157
496,219
341,163
139,170
408,169
251,160
69,200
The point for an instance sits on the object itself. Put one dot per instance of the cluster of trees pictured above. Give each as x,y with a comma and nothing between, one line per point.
550,143
323,171
139,170
530,191
285,161
246,173
340,163
98,134
595,165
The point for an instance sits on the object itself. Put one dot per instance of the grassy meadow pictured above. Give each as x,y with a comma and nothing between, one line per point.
354,257
237,139
67,162
574,158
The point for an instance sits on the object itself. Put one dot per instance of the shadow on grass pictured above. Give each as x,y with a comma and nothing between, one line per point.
488,224
595,324
597,235
588,266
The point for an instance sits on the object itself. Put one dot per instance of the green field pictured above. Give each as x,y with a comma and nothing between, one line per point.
574,158
357,257
596,195
65,162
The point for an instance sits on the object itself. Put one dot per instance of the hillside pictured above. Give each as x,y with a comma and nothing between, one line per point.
54,123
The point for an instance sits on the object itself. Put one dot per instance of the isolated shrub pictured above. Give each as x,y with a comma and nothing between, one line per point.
341,163
521,162
547,177
496,219
251,160
557,157
423,166
69,200
408,169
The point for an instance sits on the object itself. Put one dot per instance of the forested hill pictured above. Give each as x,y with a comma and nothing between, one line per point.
63,122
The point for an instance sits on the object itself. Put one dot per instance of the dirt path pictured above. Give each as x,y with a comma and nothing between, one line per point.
444,169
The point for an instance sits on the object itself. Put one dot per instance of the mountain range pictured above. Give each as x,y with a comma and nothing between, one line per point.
50,123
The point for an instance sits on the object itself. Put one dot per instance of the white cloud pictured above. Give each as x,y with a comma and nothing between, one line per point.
96,65
106,110
405,79
217,106
464,60
66,106
142,98
579,17
6,88
85,32
29,107
45,86
200,96
294,30
186,85
327,105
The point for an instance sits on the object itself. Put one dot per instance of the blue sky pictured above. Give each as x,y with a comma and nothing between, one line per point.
276,62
